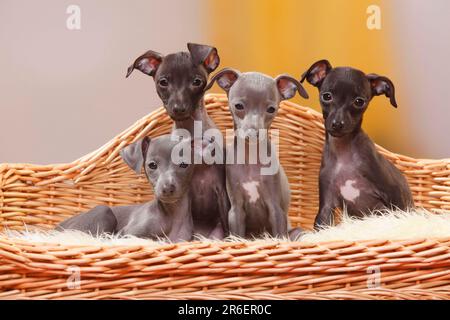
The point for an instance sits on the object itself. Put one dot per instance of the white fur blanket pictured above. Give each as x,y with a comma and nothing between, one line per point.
390,225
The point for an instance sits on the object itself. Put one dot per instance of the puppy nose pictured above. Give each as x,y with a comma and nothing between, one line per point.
168,189
179,109
337,125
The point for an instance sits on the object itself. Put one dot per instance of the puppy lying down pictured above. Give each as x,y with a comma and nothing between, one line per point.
168,215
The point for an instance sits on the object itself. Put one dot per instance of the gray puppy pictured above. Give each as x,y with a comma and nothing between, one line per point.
259,202
353,173
169,215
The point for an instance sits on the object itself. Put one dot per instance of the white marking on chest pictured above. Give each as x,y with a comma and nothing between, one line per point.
252,190
348,191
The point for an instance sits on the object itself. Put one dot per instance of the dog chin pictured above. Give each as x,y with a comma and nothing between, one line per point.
337,134
180,118
246,136
169,200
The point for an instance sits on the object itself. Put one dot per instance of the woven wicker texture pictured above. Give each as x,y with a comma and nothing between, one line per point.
44,195
414,268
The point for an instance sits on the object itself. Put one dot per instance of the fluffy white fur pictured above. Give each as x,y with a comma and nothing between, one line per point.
73,237
389,225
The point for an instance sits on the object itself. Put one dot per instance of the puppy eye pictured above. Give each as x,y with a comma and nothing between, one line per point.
239,106
360,102
152,165
197,82
183,165
327,97
163,82
271,109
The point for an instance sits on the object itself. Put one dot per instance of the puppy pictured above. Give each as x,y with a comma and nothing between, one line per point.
353,173
168,215
259,198
180,80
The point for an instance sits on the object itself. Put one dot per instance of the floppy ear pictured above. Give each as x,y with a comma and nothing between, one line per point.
382,85
148,63
317,72
287,86
205,55
225,79
134,154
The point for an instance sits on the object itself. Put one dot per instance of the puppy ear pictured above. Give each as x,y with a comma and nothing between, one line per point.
134,154
205,55
225,79
382,85
148,63
287,86
317,72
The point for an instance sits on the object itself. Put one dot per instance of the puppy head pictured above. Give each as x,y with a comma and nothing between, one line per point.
170,180
180,77
345,94
254,98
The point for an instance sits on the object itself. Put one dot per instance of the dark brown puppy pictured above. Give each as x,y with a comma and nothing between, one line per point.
180,80
353,174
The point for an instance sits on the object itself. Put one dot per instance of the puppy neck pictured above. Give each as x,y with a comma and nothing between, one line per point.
179,207
253,147
342,144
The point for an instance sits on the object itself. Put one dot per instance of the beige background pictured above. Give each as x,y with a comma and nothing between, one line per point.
421,51
63,93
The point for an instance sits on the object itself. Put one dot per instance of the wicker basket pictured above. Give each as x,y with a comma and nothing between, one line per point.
45,195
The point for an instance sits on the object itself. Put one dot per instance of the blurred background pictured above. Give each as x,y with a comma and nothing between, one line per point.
63,92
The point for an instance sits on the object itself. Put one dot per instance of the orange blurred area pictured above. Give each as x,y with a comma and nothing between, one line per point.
288,36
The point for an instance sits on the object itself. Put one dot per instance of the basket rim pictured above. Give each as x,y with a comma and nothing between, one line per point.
51,246
209,97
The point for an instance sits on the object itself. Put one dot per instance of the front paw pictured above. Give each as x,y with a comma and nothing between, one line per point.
236,222
295,234
322,222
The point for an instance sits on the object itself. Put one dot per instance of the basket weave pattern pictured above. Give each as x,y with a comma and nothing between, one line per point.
45,195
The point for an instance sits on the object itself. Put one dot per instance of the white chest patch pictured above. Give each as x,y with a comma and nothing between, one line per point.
348,191
252,190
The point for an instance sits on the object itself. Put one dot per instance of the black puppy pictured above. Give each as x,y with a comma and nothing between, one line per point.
353,174
180,80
